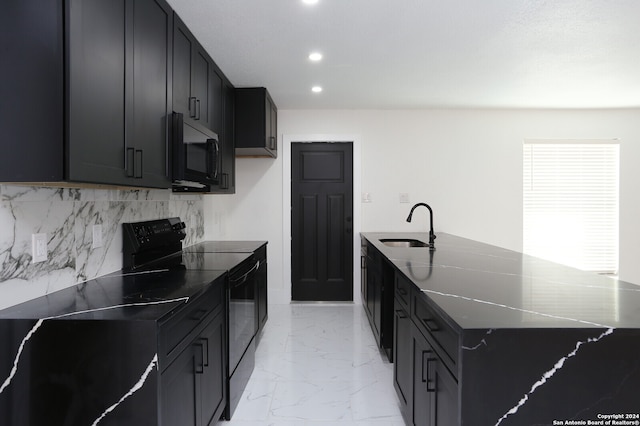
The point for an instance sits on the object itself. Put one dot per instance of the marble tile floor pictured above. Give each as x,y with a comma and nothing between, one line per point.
318,364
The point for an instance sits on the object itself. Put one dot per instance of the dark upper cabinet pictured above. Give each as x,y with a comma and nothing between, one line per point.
197,89
228,163
119,92
201,91
93,85
31,93
256,123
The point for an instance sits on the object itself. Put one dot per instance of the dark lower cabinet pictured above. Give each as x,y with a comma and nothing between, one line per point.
402,368
378,299
426,389
193,386
435,390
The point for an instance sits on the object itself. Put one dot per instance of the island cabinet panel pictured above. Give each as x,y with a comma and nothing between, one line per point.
119,92
489,336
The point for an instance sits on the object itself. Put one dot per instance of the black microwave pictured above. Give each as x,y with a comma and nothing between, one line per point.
195,155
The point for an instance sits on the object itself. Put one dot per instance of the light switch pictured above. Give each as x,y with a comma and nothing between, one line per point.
366,197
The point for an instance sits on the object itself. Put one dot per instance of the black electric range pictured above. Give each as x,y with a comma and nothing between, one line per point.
157,245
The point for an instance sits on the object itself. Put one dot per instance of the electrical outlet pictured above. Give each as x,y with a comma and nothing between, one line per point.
404,197
38,247
97,236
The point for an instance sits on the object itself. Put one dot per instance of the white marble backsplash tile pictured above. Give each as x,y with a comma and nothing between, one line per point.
67,216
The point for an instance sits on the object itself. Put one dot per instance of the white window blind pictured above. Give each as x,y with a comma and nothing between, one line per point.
570,206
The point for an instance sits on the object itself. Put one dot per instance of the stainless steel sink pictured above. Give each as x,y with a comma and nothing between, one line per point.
393,242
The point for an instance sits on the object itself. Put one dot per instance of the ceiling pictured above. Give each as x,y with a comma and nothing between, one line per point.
383,54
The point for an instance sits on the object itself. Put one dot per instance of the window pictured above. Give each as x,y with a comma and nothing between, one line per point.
570,202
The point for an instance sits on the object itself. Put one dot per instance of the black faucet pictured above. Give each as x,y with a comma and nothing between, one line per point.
432,235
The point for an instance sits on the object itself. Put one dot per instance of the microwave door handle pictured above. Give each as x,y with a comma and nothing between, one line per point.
208,156
217,160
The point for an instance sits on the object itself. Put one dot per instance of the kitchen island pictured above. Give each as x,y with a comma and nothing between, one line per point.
489,336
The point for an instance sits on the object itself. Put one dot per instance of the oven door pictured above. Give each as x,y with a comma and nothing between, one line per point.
242,313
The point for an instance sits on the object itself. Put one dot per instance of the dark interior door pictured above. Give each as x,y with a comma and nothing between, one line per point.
322,221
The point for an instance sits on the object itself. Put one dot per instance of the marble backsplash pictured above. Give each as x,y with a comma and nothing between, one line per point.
67,216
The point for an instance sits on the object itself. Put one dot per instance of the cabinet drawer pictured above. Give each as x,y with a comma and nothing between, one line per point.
402,291
432,324
175,331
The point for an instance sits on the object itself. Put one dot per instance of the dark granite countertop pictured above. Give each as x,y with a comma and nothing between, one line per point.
481,286
225,246
149,294
137,296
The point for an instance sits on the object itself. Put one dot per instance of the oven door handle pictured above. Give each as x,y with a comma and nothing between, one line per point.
243,278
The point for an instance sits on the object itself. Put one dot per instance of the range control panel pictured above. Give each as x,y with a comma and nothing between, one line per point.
155,237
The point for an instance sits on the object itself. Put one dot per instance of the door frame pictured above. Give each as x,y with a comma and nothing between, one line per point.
287,140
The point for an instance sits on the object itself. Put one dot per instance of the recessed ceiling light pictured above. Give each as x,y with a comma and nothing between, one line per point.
316,89
309,1
315,56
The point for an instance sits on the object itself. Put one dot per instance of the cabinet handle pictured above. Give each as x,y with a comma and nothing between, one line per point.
199,314
192,106
129,162
401,313
363,262
423,367
431,378
198,366
434,325
138,170
217,159
204,343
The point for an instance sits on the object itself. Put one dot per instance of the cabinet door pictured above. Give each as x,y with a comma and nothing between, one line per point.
402,367
149,89
96,91
228,177
256,122
182,60
273,137
179,390
211,377
423,381
216,101
31,95
446,409
200,85
435,397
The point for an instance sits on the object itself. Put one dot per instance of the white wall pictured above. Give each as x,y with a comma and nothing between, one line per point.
467,164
